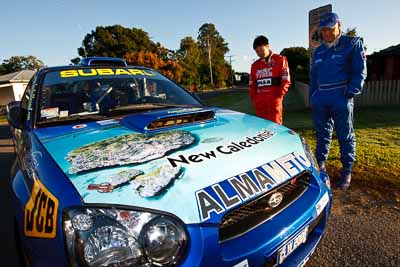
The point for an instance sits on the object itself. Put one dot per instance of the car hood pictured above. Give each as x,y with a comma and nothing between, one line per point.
176,170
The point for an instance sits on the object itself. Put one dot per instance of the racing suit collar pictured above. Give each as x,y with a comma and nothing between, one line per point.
335,42
268,59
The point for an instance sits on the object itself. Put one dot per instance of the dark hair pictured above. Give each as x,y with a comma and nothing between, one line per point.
259,41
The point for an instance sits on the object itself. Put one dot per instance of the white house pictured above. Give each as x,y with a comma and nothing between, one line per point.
12,85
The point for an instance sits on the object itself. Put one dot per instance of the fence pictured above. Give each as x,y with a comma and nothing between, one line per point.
375,93
379,93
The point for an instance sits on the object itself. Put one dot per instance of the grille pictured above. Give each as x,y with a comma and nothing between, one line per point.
181,119
246,217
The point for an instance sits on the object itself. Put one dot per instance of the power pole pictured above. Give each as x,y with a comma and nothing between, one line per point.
209,60
230,63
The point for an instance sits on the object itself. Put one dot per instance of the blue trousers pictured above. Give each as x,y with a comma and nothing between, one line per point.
332,109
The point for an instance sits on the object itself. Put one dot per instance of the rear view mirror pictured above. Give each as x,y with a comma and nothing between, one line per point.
15,115
13,104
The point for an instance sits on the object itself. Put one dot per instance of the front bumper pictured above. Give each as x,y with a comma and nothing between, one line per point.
259,246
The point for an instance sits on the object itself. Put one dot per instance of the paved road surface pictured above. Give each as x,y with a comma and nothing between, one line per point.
8,255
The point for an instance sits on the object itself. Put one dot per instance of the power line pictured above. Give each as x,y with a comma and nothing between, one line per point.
230,63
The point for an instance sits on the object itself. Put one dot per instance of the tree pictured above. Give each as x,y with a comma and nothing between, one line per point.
212,46
299,62
189,56
169,67
75,60
189,64
18,63
351,31
115,41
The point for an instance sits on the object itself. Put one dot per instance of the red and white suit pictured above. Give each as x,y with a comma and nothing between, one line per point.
269,82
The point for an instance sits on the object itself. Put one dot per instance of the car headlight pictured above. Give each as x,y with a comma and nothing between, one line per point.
118,237
309,153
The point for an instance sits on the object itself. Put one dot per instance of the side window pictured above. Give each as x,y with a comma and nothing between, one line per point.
27,98
27,94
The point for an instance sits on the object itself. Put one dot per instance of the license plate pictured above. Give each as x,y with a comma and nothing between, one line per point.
290,246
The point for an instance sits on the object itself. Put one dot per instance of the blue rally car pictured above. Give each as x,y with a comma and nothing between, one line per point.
119,166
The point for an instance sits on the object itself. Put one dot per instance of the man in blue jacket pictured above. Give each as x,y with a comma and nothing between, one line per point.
338,71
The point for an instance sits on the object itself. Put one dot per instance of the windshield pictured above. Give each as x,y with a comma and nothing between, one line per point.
84,92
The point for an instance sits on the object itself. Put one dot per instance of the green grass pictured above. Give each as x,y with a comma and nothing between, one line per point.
377,169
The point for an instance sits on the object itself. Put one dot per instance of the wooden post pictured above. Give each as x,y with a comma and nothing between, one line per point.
391,92
367,96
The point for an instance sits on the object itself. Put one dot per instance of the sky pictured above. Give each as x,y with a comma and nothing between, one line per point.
52,30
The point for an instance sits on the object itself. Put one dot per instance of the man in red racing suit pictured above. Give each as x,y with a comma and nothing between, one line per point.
269,81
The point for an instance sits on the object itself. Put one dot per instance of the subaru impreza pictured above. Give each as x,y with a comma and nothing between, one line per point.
118,165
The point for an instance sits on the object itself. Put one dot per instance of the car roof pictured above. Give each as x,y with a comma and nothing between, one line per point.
96,61
85,63
67,67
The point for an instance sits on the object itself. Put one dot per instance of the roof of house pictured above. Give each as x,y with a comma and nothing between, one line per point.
19,76
392,50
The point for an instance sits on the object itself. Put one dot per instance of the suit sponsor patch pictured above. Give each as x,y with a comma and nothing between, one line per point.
264,82
263,73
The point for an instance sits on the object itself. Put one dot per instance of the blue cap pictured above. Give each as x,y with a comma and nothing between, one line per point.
328,20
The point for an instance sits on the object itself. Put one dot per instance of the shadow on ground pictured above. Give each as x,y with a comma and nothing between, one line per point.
8,253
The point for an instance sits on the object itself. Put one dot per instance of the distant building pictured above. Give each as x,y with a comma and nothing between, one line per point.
242,78
12,86
384,65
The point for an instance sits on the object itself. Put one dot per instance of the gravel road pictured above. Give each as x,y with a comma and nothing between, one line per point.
362,231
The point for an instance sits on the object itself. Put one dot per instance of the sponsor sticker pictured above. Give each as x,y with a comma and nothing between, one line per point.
40,213
222,196
49,113
363,56
223,150
63,113
104,72
243,263
321,204
79,126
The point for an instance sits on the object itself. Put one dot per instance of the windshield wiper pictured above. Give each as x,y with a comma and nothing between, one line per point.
146,106
72,118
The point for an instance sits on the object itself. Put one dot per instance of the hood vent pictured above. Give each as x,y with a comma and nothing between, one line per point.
181,120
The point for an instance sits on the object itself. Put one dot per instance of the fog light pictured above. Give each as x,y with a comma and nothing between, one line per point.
163,241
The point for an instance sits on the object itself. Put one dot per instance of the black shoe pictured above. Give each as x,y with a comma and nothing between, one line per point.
321,166
345,179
